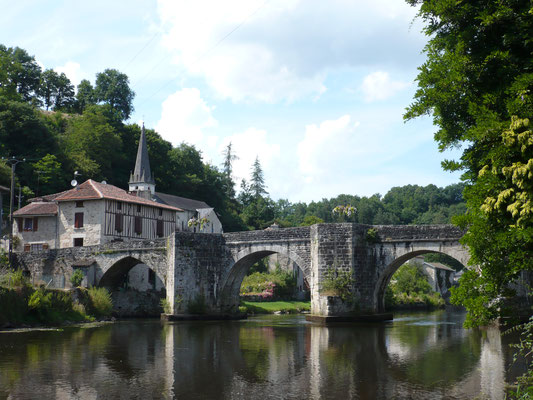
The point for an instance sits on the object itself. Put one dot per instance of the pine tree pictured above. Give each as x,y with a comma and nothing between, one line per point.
257,184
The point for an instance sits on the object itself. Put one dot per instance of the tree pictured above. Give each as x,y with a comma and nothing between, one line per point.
19,73
112,87
56,90
229,157
257,181
477,83
85,96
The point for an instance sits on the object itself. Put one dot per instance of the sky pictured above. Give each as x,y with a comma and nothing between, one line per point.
315,89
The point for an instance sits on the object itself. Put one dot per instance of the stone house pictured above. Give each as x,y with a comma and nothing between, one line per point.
92,213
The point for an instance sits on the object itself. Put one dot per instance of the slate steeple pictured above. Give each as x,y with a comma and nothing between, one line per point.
141,180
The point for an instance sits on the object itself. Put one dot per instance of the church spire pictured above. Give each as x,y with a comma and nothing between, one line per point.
142,178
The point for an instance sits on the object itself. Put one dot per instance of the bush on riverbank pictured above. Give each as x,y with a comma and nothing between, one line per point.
269,286
409,288
21,303
290,307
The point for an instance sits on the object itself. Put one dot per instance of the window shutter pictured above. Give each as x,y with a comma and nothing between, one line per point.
45,246
119,222
35,223
160,228
27,248
78,220
138,225
19,224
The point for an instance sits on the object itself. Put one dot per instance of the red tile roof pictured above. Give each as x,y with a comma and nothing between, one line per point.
37,208
92,190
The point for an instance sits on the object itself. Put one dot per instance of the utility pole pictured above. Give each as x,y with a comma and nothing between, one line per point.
13,161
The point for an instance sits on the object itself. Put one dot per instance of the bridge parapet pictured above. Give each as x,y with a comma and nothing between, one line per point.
391,233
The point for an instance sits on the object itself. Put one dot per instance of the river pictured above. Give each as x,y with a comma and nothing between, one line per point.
417,356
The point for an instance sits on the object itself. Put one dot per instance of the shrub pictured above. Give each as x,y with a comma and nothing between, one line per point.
165,304
101,303
338,283
279,284
372,235
76,278
40,303
14,279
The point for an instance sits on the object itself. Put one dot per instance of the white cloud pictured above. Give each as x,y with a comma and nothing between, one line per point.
247,146
379,86
323,145
252,50
72,70
184,117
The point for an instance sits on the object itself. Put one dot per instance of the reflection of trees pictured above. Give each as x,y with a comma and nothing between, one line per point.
269,358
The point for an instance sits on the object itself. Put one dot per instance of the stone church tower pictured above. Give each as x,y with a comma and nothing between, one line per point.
141,180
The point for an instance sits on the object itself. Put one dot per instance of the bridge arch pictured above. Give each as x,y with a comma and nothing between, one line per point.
391,267
114,273
243,259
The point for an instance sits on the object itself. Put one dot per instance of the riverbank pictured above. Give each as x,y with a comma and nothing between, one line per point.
272,307
24,306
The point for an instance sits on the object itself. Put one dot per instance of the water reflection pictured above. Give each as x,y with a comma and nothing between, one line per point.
416,356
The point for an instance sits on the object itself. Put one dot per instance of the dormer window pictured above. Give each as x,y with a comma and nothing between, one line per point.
79,204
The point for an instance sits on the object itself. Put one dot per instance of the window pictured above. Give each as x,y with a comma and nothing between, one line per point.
78,242
138,225
160,212
78,220
138,208
36,247
28,224
119,206
119,222
159,228
79,204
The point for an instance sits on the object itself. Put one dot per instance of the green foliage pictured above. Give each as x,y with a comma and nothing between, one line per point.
311,220
275,285
409,279
524,348
13,279
372,235
410,286
477,85
76,278
197,306
101,304
112,87
337,282
165,305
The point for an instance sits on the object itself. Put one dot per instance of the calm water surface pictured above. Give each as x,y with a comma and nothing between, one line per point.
418,356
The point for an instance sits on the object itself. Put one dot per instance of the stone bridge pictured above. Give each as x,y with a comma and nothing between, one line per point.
207,269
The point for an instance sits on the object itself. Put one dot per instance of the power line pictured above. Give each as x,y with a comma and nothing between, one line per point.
202,55
140,51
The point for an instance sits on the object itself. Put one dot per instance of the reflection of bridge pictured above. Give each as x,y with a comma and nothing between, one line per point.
210,267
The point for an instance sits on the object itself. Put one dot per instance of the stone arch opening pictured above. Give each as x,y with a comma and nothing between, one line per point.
386,275
136,289
229,298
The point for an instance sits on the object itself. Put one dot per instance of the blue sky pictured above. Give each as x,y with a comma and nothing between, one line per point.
315,89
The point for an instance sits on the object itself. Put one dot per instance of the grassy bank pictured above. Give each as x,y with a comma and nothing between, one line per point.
270,307
22,304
